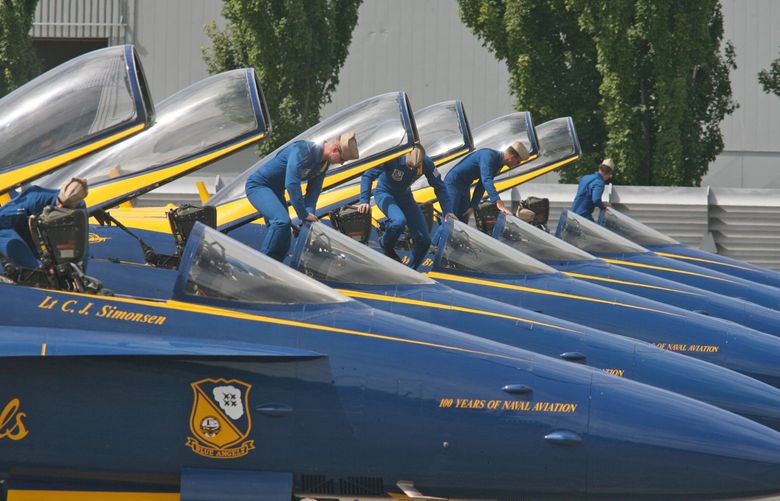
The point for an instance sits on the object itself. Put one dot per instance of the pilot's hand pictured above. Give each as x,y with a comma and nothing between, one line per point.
450,215
500,206
311,218
363,208
607,205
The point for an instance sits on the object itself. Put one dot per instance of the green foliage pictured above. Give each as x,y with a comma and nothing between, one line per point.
770,80
645,81
18,62
297,48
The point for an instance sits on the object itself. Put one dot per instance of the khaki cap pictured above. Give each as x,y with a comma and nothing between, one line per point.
526,215
73,192
519,149
348,147
415,157
609,164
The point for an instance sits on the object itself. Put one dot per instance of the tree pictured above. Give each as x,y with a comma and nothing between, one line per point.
18,62
770,80
297,48
645,81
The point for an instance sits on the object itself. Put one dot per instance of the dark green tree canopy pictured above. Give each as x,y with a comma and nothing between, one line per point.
18,62
297,48
770,79
646,82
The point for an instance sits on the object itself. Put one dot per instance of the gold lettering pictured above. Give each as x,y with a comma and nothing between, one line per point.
11,424
47,303
67,306
105,311
445,403
85,310
615,372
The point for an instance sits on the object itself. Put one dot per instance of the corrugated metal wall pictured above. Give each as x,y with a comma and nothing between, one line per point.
83,19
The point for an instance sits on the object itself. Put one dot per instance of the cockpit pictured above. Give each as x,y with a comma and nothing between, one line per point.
632,229
325,254
535,242
466,249
217,268
592,238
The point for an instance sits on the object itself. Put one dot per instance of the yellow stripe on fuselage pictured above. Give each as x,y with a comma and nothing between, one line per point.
221,312
33,495
623,282
502,285
16,177
109,191
664,268
701,260
428,304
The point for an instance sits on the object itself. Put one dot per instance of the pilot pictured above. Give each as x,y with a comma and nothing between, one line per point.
481,165
590,190
15,214
394,197
301,161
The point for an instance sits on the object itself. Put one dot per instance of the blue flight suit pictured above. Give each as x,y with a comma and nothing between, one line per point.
394,197
480,165
14,218
299,162
588,195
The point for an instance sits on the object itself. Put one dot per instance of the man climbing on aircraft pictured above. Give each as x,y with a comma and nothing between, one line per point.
481,165
15,214
590,190
394,197
301,161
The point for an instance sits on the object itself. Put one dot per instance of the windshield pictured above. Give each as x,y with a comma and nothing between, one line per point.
68,105
590,237
468,249
218,267
379,126
440,127
497,134
632,229
202,116
557,141
538,243
332,256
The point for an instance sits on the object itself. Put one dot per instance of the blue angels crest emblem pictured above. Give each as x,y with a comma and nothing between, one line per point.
220,420
397,175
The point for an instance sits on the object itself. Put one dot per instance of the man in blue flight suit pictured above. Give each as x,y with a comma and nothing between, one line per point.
590,190
394,197
15,214
301,161
481,165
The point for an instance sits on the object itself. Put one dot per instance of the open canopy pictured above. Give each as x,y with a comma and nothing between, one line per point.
632,229
325,254
535,242
384,127
217,269
466,249
444,133
195,126
590,237
70,111
497,134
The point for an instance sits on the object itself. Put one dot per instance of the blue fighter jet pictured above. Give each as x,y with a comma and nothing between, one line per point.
250,377
612,248
666,246
579,264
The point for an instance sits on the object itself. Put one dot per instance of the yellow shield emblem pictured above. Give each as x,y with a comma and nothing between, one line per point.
220,420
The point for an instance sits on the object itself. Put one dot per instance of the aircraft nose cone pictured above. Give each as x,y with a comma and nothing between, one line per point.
659,444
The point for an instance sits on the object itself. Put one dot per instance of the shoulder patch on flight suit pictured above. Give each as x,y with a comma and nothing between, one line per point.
397,174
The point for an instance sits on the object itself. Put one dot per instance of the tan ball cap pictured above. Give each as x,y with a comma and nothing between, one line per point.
415,157
608,163
348,147
526,215
519,149
73,192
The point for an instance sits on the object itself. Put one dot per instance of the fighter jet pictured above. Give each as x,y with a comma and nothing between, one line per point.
614,249
579,264
666,246
249,377
70,111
